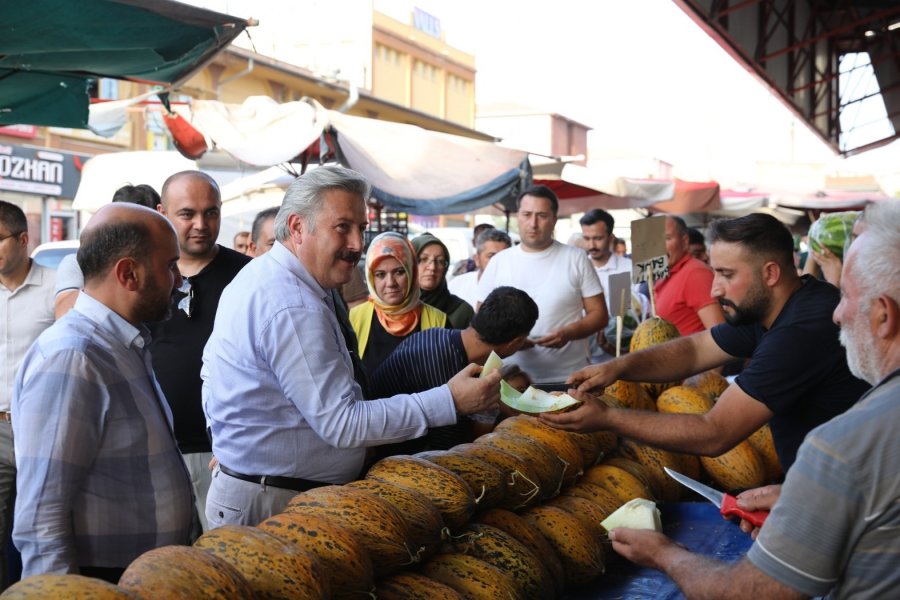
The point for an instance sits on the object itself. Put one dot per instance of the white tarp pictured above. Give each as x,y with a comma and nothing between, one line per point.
259,132
412,162
411,169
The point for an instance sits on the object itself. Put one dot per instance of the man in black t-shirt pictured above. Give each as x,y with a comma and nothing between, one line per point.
797,378
191,201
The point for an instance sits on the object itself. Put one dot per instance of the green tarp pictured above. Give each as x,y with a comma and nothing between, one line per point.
50,50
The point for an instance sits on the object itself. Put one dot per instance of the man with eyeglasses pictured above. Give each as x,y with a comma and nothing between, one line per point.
26,309
285,411
191,201
563,283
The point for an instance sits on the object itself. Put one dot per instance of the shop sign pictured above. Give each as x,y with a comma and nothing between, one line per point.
22,131
42,172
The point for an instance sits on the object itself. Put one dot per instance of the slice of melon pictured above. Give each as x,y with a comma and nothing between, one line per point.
493,362
637,513
533,400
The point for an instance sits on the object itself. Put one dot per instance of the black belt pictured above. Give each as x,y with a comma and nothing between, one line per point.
287,483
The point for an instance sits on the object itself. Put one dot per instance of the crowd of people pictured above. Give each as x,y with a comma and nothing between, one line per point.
161,384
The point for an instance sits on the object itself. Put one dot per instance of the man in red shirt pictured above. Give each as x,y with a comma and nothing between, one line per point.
684,297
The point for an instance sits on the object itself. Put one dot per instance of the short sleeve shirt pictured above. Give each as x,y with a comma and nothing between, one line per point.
685,291
798,368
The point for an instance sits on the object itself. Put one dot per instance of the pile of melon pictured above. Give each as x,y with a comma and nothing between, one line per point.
516,514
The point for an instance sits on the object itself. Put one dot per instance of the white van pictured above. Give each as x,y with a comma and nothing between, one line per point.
51,253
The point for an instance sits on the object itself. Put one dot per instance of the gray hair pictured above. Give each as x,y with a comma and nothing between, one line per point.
492,235
305,195
877,265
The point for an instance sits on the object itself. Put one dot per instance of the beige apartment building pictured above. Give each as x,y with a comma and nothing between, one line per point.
394,70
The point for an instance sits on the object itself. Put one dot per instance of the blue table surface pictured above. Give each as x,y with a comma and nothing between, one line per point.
696,525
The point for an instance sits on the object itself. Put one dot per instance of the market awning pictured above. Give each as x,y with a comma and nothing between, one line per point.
830,200
411,169
581,189
50,50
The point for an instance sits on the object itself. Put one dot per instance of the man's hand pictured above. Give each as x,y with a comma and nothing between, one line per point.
589,416
595,377
644,547
472,394
830,264
762,498
528,344
554,339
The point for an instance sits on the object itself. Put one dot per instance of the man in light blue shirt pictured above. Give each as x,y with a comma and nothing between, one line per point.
285,411
100,479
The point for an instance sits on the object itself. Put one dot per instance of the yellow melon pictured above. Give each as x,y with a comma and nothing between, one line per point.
347,563
764,444
708,383
184,572
683,400
414,586
273,568
66,587
582,553
620,482
557,440
655,459
375,522
531,538
448,491
471,577
738,469
502,550
627,394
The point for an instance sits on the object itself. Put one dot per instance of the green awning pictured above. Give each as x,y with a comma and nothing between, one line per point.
50,50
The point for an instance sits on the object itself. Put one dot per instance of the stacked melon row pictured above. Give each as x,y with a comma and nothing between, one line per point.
515,514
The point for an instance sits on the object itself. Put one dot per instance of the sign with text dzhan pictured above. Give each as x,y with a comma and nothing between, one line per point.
648,249
38,171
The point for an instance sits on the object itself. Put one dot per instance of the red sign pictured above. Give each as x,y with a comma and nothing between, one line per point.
22,131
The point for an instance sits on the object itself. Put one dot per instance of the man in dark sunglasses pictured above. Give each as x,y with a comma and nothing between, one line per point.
191,201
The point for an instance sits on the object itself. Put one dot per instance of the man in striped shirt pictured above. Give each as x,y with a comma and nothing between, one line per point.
100,479
834,526
432,357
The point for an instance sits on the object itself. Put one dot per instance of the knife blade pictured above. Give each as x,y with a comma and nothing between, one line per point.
726,502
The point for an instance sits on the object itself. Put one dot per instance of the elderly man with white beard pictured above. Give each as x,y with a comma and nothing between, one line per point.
833,526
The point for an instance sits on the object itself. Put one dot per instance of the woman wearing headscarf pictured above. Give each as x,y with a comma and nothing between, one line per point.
394,309
433,260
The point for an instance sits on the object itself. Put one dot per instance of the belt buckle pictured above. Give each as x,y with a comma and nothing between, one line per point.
262,480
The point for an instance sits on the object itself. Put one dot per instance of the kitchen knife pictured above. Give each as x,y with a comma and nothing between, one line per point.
726,502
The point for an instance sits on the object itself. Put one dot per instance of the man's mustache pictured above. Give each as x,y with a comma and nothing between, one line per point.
727,302
350,256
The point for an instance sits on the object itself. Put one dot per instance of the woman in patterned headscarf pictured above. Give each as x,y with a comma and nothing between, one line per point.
394,309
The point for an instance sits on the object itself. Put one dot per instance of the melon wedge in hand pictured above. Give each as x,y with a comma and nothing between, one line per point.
635,514
493,362
533,400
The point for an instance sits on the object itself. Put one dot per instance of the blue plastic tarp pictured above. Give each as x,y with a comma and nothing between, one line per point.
697,526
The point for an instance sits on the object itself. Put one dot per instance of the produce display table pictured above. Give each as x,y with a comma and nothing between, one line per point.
697,526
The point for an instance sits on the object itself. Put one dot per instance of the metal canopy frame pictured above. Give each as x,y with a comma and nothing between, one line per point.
795,48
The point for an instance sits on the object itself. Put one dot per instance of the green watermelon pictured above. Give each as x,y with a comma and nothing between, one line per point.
832,230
